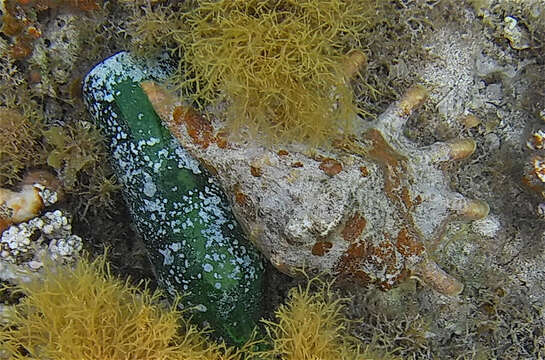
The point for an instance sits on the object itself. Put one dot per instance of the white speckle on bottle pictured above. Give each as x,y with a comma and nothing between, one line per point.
207,267
149,187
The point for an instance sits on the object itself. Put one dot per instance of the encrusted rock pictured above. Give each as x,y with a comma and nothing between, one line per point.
534,168
26,238
24,247
38,189
516,35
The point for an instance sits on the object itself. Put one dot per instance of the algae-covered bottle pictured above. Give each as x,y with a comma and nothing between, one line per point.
196,245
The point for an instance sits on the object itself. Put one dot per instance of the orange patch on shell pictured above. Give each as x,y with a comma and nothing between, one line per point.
330,166
408,244
321,248
256,171
198,128
354,228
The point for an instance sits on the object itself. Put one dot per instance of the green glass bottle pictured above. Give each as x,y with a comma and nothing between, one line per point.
196,245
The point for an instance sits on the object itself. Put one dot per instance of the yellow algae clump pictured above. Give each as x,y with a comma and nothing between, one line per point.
19,147
312,326
86,313
283,67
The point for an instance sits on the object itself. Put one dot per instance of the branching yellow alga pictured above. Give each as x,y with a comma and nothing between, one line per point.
282,66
